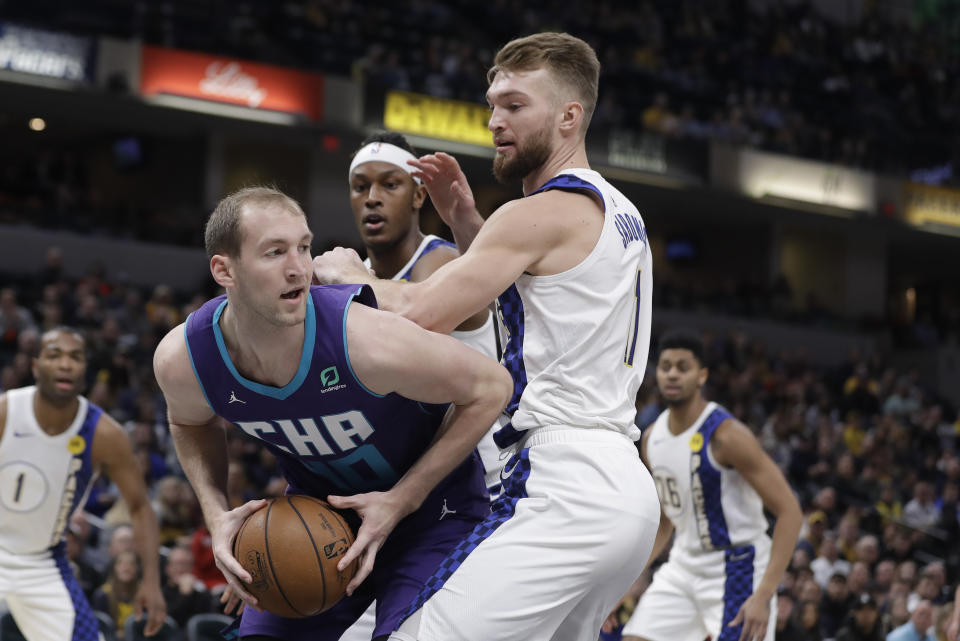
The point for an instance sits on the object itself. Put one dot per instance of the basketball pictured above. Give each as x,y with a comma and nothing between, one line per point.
291,548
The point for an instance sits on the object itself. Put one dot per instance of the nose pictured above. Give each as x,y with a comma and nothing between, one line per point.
297,265
373,197
495,123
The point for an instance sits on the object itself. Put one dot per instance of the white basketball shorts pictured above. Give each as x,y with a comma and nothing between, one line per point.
45,598
571,532
692,597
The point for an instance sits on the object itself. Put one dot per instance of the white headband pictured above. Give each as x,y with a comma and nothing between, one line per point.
384,152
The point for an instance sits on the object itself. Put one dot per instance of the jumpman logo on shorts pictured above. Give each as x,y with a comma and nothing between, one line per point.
234,399
445,510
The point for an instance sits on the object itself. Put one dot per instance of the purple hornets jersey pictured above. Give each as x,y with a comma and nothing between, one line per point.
331,435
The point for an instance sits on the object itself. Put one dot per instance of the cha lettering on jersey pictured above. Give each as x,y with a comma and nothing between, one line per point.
630,228
335,448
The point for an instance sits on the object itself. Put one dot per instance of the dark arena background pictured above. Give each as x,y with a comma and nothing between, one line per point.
796,163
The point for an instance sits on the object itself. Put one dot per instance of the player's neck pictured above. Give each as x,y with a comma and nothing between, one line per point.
261,351
681,417
387,262
563,158
54,418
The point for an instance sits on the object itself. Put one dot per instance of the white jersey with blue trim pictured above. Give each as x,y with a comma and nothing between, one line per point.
483,339
712,507
42,477
576,342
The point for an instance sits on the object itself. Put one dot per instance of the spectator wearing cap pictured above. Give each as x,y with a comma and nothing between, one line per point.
918,627
863,624
788,626
835,605
812,537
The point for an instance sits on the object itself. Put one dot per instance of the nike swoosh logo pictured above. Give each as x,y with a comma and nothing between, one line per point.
22,434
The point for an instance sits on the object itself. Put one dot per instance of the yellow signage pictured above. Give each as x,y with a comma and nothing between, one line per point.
925,204
437,118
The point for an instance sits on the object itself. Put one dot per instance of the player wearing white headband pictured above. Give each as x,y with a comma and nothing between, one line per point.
386,201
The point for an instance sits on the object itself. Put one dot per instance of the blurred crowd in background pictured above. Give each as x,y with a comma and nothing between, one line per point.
871,452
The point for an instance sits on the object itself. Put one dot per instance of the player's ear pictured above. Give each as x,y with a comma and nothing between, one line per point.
702,376
221,267
571,115
419,195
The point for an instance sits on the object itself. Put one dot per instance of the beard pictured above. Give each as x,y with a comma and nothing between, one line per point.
527,159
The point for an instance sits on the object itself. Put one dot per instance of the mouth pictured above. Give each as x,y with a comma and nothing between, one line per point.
373,222
293,295
503,145
64,383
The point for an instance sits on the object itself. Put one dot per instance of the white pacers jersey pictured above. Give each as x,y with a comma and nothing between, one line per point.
483,339
712,507
576,342
42,477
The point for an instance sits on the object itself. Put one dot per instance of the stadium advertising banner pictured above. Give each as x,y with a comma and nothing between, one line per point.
420,115
650,152
759,174
227,80
924,205
46,53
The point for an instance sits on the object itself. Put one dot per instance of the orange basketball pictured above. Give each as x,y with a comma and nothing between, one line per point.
291,548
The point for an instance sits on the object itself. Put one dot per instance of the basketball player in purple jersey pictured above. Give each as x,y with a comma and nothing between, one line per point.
347,397
53,442
386,201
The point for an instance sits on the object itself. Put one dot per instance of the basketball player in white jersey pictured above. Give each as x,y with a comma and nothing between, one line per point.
53,442
571,265
386,201
713,480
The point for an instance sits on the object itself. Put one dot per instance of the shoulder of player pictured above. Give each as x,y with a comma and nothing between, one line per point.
534,219
110,442
372,332
433,261
171,359
732,442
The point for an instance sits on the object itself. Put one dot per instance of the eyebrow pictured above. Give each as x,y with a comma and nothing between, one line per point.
283,241
505,94
359,173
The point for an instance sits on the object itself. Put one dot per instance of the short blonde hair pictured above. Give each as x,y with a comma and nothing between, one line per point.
571,60
223,233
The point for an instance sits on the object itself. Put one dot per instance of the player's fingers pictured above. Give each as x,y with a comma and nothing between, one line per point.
231,602
155,619
248,508
355,550
344,502
232,569
242,594
737,619
363,571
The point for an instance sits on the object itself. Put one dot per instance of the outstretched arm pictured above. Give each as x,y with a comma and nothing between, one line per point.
734,445
112,453
200,438
516,239
391,354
